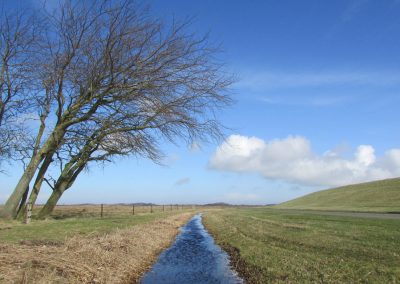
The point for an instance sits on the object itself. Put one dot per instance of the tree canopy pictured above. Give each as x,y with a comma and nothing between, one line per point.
106,79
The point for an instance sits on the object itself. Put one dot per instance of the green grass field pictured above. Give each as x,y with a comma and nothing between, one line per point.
55,230
377,196
298,247
77,248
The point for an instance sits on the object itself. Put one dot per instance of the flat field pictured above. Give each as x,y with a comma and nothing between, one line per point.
274,246
77,248
73,220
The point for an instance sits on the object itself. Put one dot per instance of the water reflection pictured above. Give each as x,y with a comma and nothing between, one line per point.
193,258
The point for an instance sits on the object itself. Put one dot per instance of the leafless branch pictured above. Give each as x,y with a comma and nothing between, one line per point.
115,81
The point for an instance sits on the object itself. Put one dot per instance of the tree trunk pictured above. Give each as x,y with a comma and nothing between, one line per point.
64,181
10,208
48,149
37,185
22,204
52,201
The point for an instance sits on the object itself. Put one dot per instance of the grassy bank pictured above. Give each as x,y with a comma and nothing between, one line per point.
270,246
114,249
376,196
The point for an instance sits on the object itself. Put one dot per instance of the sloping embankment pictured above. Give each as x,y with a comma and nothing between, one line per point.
376,196
119,257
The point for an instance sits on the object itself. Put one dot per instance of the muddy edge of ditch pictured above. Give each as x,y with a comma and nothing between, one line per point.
251,274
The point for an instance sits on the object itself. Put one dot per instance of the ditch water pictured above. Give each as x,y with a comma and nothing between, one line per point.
193,258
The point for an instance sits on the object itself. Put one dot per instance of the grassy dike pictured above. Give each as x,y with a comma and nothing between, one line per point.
375,196
115,249
274,246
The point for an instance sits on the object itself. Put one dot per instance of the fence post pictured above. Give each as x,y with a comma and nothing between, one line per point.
163,208
151,208
133,209
28,213
101,211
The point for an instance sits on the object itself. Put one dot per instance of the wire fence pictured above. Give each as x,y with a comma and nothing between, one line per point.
113,210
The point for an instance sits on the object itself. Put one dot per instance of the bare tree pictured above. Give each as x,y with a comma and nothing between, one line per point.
111,59
17,35
102,146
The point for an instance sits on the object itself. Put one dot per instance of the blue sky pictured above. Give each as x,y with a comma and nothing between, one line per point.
316,106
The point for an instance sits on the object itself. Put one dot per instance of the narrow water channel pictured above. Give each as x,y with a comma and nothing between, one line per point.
193,258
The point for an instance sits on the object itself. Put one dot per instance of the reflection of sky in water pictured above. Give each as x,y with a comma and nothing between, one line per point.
193,258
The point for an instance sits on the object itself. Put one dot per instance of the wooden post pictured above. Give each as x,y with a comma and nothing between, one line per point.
28,213
101,211
151,208
133,209
163,208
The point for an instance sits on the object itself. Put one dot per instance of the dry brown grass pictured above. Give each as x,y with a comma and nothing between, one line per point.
93,210
118,257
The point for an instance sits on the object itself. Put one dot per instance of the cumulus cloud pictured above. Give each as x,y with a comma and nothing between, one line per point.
292,160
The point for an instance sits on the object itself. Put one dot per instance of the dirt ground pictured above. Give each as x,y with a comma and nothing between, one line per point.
119,257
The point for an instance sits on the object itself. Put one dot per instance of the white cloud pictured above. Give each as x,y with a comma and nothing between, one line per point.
352,9
266,80
170,159
292,160
182,181
309,100
194,147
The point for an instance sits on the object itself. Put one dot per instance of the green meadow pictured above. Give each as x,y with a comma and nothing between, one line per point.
376,196
274,246
57,230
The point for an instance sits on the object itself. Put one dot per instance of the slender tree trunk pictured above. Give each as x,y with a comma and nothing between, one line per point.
51,145
10,208
22,204
32,199
37,185
64,181
52,201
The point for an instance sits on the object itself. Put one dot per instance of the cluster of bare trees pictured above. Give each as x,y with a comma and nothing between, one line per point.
94,80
